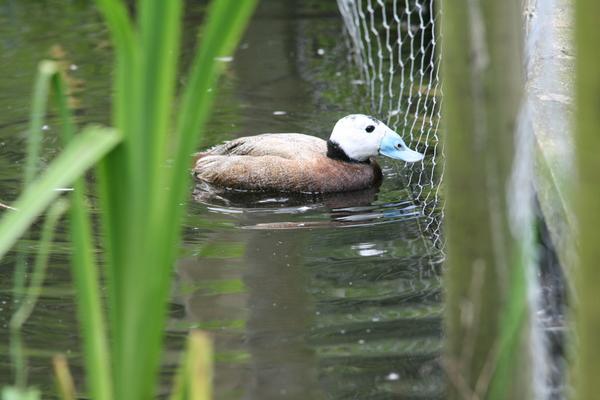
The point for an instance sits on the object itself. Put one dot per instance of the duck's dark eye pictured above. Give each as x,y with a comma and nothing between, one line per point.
370,128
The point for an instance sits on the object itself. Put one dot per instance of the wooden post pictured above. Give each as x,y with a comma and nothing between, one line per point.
587,131
487,311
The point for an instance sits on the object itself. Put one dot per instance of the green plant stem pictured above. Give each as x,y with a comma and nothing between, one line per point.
194,377
196,104
81,153
225,23
64,379
85,272
487,311
586,308
46,70
136,184
33,292
34,139
159,33
89,304
114,172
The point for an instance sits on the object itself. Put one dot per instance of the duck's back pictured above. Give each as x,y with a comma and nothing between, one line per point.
282,162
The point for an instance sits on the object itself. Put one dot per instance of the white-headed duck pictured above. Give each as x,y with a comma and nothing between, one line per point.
293,162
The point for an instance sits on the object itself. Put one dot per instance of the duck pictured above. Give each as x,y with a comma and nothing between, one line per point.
295,162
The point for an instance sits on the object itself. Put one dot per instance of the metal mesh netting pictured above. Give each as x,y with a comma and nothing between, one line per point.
394,45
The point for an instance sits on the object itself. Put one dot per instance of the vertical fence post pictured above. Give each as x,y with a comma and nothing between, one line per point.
487,311
587,132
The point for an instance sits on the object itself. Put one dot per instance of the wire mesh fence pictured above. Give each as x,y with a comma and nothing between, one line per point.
394,44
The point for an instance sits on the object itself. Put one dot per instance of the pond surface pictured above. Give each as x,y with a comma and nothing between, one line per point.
313,297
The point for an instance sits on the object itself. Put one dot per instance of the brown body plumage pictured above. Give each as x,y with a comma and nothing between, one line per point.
289,162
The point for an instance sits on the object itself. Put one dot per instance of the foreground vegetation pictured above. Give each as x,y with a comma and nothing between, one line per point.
142,169
490,251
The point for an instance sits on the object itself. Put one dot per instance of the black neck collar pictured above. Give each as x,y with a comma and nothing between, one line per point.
334,151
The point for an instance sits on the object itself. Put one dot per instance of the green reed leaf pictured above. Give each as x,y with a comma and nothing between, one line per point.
82,153
85,271
33,292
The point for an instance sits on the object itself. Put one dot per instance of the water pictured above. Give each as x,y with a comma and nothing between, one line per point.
308,297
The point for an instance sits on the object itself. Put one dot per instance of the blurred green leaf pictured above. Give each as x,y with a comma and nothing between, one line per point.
142,197
194,378
13,393
85,272
82,153
46,70
33,291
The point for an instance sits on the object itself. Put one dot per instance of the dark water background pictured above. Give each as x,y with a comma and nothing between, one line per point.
316,297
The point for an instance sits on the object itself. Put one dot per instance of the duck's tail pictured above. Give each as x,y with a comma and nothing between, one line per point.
197,156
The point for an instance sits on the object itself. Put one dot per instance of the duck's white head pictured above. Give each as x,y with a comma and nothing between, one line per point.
358,137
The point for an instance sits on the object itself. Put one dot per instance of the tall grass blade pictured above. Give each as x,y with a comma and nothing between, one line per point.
159,24
64,379
123,38
141,196
85,272
223,29
33,292
82,153
46,70
14,393
200,371
159,34
114,171
194,378
584,297
141,251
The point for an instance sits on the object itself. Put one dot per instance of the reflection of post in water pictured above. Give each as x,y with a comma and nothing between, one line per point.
282,364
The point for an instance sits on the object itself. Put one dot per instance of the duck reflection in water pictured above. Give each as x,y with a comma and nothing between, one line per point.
343,208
